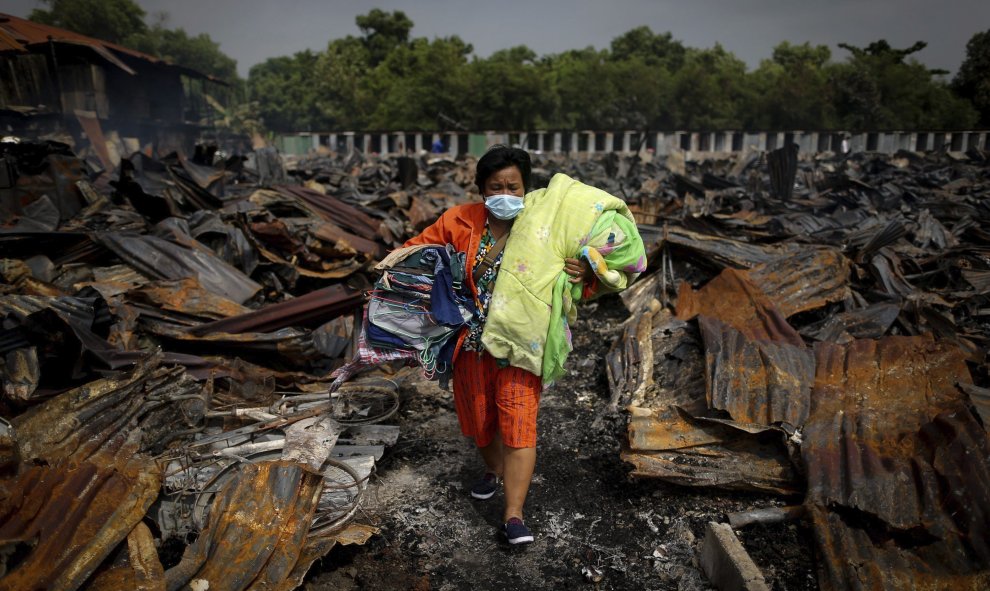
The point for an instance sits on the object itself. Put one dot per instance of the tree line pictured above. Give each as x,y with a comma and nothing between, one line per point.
384,78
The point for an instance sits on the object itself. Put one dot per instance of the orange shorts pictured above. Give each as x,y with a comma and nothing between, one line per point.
489,397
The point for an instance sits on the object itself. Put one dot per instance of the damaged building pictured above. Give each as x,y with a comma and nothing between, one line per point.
110,100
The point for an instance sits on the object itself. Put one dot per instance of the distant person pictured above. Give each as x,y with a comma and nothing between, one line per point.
438,147
845,145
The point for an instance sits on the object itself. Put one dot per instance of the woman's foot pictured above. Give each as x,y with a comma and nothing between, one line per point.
516,531
486,487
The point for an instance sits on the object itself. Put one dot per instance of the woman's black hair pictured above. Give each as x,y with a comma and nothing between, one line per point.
498,157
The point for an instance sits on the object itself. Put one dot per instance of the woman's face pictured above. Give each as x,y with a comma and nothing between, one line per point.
507,181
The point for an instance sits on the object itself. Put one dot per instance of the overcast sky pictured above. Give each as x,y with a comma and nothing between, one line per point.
252,30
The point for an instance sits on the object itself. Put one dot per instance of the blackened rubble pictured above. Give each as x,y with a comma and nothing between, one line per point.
168,329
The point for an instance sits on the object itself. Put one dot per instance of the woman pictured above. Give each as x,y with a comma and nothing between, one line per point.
496,403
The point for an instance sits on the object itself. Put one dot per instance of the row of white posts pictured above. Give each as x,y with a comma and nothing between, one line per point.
697,143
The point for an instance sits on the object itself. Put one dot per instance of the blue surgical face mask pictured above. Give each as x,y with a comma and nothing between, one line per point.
504,207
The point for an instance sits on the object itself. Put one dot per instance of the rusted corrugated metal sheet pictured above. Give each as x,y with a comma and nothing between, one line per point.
256,530
806,280
756,381
188,296
336,211
898,468
72,518
309,309
660,363
164,259
871,322
136,570
113,418
734,300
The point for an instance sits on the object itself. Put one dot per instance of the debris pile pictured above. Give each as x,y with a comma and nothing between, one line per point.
813,329
168,334
824,331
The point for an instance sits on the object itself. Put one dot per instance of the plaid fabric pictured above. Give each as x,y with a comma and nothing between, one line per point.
367,356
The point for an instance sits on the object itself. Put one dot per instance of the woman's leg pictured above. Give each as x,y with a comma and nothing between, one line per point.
519,463
493,456
517,398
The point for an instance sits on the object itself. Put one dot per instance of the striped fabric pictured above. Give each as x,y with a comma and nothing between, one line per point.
489,397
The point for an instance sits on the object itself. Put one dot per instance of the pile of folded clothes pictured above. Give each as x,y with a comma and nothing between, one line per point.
415,313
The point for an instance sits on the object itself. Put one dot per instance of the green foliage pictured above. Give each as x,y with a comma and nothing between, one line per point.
386,79
791,90
287,93
110,20
506,91
200,53
418,80
878,88
972,82
340,80
653,49
709,90
383,32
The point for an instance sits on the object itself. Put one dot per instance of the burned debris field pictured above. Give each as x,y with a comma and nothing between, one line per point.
801,374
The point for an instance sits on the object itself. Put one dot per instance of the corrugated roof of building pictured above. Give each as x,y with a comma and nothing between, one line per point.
21,35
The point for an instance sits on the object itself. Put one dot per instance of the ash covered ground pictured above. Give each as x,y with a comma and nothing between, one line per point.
595,527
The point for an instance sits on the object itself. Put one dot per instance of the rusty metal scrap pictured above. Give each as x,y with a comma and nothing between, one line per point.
113,418
256,530
175,315
916,471
310,309
165,259
734,300
756,381
137,568
72,518
844,329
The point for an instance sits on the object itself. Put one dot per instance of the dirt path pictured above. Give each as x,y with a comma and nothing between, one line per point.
594,527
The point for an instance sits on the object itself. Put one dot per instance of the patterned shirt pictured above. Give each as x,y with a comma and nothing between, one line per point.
485,285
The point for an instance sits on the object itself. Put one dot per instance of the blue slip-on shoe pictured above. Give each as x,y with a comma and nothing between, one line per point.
516,531
485,488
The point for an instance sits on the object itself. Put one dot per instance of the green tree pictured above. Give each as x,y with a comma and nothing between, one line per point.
418,80
200,53
110,20
972,82
709,90
506,91
287,94
654,49
879,88
341,82
383,31
579,79
791,90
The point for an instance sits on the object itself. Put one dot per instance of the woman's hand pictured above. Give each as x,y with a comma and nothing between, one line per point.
579,270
